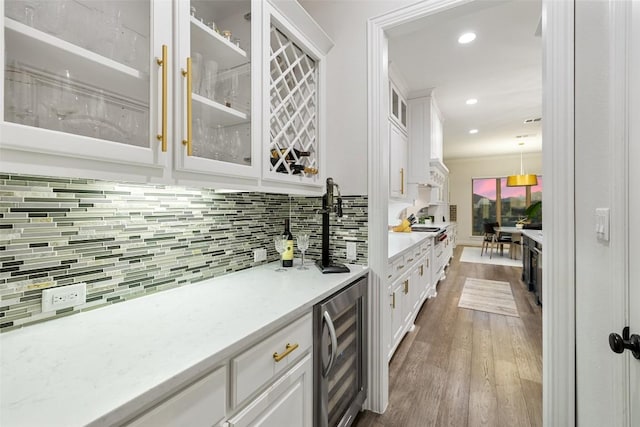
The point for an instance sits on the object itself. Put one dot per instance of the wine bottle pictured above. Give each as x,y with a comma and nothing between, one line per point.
276,154
295,168
287,256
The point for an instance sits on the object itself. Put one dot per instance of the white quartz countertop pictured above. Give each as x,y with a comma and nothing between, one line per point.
399,242
101,366
536,235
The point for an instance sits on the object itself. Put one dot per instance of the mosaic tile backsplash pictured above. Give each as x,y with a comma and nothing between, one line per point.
130,240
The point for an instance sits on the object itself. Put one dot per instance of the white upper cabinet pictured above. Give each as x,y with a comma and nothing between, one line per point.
397,162
437,131
82,82
210,93
397,106
294,93
425,137
217,106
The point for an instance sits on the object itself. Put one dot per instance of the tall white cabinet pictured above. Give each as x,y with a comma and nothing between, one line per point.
195,92
398,136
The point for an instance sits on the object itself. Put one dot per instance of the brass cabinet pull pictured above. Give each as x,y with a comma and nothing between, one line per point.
162,62
401,180
422,270
288,349
393,300
427,262
406,286
410,260
188,142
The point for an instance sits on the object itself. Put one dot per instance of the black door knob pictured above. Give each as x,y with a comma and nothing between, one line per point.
619,343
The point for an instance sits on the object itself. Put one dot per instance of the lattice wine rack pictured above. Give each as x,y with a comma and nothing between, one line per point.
294,108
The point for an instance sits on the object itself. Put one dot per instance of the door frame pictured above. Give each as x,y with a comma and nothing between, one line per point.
559,379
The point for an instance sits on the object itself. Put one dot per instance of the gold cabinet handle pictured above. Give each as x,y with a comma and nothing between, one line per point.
393,300
421,270
406,286
288,349
401,180
427,262
188,142
162,62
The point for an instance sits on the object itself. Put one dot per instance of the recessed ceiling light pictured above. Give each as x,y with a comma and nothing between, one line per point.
471,101
473,131
466,38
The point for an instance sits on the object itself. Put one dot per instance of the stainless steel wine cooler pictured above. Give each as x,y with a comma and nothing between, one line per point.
340,356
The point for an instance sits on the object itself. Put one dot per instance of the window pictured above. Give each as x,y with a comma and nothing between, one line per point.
493,201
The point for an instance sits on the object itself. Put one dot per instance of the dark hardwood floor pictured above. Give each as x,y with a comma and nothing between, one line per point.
462,367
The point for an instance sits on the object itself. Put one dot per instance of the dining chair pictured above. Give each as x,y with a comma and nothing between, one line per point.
490,238
502,239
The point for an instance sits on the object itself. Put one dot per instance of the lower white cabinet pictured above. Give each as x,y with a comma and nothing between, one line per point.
202,403
268,384
397,303
288,402
410,284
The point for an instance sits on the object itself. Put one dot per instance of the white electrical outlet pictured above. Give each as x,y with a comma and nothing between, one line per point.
64,296
259,254
351,251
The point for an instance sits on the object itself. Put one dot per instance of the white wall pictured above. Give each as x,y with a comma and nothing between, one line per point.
461,171
345,21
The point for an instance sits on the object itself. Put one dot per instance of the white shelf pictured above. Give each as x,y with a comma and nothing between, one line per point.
213,46
218,113
48,53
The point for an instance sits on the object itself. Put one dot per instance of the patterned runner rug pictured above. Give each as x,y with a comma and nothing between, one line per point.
488,295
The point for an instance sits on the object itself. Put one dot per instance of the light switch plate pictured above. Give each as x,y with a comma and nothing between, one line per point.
352,254
602,224
259,254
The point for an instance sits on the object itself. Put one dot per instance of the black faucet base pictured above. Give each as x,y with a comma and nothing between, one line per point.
332,268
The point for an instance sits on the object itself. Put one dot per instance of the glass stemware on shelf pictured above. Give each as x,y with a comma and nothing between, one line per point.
280,242
303,245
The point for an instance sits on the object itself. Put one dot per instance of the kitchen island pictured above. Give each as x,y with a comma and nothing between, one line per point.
105,366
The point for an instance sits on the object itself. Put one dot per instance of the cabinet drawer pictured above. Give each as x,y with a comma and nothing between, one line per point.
396,267
425,247
258,365
413,255
202,403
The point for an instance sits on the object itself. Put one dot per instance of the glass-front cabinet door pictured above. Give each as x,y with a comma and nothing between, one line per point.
84,78
214,88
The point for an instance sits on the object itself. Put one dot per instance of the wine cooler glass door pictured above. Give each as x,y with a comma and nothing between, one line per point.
341,358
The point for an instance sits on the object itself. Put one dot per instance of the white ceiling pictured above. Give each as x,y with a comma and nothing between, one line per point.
502,68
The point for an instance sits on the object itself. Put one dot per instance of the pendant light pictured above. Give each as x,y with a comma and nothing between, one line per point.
522,180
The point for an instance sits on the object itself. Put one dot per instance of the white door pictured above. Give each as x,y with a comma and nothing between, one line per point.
607,140
634,208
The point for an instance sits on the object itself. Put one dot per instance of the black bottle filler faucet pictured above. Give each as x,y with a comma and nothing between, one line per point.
330,205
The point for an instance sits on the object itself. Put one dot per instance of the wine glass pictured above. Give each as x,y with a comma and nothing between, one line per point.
280,242
303,245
